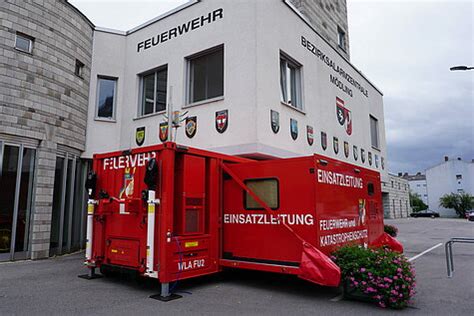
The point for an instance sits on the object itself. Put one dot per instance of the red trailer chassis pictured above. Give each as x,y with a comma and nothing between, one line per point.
172,212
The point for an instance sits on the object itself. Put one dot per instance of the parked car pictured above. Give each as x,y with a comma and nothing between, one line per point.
470,216
425,213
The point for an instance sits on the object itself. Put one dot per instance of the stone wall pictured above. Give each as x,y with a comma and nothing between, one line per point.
396,201
326,16
41,98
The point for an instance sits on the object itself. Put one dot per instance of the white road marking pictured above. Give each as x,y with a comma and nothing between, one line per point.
425,252
337,298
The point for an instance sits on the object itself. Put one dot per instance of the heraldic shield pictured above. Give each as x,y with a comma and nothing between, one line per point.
294,129
310,135
344,116
346,149
222,120
140,135
163,131
275,121
369,155
324,140
362,155
355,151
335,145
190,126
376,161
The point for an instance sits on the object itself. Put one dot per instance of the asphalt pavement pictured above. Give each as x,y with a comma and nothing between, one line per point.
51,287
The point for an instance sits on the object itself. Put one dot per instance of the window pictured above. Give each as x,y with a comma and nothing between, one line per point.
79,68
266,190
24,42
374,132
341,38
290,82
106,97
370,189
206,75
459,177
154,91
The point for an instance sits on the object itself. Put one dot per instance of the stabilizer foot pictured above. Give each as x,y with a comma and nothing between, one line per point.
91,275
168,298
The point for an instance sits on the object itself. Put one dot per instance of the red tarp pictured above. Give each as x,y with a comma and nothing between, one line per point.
316,267
387,240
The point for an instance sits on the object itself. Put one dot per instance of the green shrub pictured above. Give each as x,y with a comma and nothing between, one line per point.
382,275
391,230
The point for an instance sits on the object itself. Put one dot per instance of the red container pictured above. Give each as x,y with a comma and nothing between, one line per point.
204,220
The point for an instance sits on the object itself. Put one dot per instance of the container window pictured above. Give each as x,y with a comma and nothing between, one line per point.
265,189
370,189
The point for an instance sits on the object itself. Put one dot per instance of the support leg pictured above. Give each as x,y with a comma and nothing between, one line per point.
165,295
91,275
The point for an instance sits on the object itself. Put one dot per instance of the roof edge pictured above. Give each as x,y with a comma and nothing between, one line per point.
163,16
80,13
110,31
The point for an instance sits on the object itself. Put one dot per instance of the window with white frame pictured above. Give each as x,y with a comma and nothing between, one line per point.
290,82
106,91
24,43
153,91
206,75
374,132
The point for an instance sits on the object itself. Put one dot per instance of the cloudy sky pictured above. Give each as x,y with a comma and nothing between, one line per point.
406,48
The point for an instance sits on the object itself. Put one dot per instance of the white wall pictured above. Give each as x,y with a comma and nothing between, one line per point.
253,33
282,29
441,179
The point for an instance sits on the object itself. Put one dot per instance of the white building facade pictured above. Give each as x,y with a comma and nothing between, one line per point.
254,77
450,176
418,186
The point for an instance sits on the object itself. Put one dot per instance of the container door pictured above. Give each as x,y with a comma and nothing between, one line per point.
191,218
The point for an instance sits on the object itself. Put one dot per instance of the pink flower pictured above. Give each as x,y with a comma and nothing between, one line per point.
362,269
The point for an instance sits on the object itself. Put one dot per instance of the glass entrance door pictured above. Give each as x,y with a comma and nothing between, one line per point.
68,216
16,187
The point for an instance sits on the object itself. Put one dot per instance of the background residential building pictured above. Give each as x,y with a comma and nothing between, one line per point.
450,176
417,183
395,196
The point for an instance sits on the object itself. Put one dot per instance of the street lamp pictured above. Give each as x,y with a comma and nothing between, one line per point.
460,68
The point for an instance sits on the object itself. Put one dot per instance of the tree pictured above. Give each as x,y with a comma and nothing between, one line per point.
461,202
416,203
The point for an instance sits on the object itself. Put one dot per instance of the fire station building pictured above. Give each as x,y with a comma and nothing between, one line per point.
259,79
250,86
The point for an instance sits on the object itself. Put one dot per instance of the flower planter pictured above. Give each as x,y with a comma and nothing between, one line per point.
353,293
